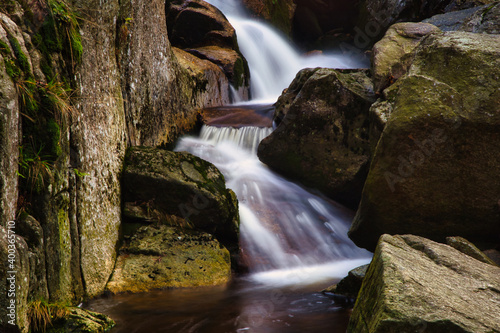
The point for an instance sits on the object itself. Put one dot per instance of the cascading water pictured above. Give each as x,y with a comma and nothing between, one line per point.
285,230
273,62
288,235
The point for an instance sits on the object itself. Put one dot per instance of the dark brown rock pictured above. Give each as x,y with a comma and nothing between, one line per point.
322,140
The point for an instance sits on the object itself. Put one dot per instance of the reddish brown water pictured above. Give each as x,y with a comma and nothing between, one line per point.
240,307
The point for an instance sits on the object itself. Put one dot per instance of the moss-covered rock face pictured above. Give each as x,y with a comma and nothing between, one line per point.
230,61
161,257
436,169
416,285
9,132
183,185
82,321
210,81
464,246
392,55
322,139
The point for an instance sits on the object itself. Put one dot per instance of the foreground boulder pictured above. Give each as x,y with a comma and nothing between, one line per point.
436,169
161,183
322,139
160,257
416,285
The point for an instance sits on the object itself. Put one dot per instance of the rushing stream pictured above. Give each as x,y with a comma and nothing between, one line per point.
294,242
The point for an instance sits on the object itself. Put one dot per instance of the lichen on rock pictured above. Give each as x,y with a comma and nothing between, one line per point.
435,168
168,257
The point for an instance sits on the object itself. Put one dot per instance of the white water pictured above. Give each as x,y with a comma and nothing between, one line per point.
288,234
273,62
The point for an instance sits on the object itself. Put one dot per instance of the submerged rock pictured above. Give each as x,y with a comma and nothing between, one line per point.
351,284
161,257
177,183
416,285
436,168
322,139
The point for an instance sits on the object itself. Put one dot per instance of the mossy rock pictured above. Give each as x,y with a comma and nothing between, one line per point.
416,285
82,321
436,168
323,136
166,257
183,185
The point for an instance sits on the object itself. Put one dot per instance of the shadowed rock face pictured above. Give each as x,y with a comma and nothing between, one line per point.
416,285
202,30
435,171
323,136
376,16
482,19
195,23
182,185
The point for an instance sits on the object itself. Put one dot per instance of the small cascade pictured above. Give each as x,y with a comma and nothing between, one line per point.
246,137
284,228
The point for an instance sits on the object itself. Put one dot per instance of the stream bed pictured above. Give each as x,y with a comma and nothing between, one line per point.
242,306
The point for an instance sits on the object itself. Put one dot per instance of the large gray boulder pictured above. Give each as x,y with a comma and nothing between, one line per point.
322,139
436,168
416,285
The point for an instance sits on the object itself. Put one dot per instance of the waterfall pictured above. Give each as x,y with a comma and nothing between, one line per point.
288,235
285,230
273,62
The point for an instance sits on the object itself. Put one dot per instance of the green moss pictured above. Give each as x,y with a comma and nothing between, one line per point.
12,70
22,60
4,48
64,30
54,133
239,74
